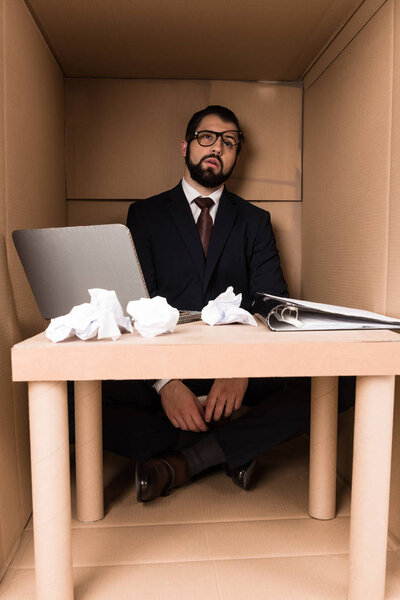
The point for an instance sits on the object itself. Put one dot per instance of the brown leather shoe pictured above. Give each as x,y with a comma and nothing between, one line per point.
158,476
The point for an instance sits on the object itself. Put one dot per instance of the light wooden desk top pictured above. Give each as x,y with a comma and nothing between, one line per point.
196,350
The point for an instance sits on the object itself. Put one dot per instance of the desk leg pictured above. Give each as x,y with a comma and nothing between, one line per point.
48,418
370,487
89,451
323,447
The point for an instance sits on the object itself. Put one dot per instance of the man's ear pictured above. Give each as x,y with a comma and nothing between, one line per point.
184,146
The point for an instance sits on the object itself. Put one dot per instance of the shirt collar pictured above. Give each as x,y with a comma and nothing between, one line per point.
191,193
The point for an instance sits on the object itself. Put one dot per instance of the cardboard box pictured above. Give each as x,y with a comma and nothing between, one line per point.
94,98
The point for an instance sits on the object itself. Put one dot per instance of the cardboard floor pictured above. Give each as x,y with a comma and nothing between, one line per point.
209,540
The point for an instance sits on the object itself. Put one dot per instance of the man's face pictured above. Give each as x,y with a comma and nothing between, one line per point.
210,166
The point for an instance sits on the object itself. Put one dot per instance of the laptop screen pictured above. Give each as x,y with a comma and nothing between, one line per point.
62,263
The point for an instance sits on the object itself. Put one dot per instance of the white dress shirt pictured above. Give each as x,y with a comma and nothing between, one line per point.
191,193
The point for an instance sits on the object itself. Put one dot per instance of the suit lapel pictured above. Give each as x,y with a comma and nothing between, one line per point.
226,217
183,218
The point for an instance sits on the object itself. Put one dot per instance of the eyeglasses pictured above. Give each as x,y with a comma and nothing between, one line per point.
231,138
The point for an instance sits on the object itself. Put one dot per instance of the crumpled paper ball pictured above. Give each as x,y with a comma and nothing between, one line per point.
152,316
226,309
103,317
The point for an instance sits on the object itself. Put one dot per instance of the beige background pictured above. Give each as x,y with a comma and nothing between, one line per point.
270,41
350,226
32,194
348,220
347,146
123,135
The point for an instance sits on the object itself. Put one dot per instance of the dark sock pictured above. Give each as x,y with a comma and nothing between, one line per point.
204,454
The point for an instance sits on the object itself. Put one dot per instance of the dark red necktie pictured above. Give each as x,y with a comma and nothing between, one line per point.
204,222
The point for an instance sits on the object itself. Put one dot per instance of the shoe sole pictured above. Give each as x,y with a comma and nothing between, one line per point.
249,475
245,483
138,485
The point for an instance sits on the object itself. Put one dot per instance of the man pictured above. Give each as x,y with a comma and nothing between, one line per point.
193,242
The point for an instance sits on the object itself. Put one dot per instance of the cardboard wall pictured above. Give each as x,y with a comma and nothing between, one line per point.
32,194
4,332
350,228
347,120
131,39
350,189
393,273
123,136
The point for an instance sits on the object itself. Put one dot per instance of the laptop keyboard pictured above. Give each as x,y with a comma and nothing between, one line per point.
187,316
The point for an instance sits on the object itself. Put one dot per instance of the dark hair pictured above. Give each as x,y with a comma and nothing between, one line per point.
215,109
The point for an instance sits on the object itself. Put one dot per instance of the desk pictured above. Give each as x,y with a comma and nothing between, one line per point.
195,351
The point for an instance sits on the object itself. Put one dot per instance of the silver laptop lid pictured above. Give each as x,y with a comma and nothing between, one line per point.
62,263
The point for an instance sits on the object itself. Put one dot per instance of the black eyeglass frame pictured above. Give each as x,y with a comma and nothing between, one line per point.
218,134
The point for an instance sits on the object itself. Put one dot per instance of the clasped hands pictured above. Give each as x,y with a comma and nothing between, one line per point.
186,412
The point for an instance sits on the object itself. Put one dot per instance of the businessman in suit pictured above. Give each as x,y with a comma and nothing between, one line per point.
193,242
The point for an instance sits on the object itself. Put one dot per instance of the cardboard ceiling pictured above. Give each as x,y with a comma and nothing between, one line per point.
274,40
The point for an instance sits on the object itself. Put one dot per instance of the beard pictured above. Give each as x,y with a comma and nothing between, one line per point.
207,177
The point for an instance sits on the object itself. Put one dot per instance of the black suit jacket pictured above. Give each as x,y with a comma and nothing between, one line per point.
242,250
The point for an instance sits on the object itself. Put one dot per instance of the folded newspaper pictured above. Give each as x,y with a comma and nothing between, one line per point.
288,314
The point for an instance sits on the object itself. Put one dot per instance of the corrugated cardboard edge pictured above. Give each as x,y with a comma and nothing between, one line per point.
340,40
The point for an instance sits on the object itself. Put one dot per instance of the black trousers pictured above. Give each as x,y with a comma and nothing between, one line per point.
134,424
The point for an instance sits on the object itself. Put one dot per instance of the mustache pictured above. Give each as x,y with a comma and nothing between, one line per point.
214,156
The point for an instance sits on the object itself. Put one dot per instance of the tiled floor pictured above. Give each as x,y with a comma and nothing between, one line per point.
209,540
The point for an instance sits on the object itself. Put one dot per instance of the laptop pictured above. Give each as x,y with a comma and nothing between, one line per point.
62,263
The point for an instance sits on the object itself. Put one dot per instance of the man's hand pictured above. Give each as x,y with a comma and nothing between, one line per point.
182,407
226,396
